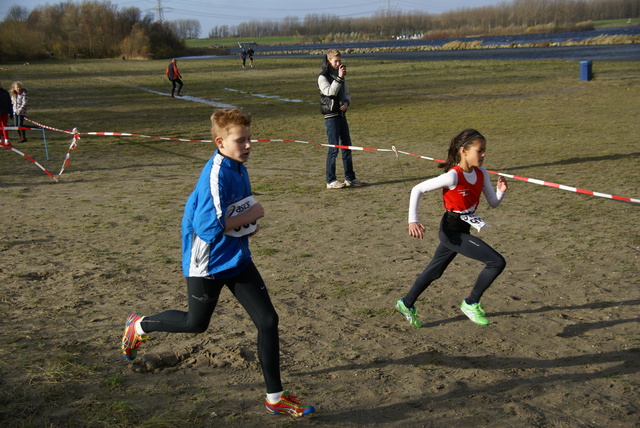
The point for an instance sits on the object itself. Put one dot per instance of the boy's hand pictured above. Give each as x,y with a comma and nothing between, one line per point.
255,212
243,224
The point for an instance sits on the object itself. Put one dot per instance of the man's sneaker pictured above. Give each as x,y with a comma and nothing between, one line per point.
131,340
354,183
335,184
475,312
289,404
410,313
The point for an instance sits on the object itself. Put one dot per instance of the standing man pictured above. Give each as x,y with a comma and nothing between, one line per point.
250,53
243,56
174,75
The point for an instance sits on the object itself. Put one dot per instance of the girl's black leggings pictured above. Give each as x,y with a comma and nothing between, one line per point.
451,244
251,292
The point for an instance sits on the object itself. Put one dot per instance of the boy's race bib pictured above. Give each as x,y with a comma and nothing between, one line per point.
238,208
474,220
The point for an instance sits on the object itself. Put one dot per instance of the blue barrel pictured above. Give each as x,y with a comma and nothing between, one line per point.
586,72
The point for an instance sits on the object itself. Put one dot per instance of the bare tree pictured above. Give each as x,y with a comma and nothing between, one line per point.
504,18
187,28
95,28
17,13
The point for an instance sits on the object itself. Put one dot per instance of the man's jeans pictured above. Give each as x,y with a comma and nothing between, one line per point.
338,135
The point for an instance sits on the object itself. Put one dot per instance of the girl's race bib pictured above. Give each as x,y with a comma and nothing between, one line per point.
474,220
238,208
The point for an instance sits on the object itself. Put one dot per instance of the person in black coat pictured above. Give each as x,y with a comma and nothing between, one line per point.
6,112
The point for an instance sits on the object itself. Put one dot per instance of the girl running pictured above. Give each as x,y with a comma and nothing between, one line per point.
462,183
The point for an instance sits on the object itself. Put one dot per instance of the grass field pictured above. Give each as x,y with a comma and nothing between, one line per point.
517,104
562,350
617,22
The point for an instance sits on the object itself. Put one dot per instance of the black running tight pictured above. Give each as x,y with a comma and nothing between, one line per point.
177,82
250,290
451,244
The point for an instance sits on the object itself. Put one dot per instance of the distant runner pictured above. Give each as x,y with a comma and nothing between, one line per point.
174,75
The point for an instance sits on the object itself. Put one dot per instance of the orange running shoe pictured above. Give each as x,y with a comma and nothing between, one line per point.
131,340
289,404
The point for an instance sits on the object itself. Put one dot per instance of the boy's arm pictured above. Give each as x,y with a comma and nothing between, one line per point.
252,214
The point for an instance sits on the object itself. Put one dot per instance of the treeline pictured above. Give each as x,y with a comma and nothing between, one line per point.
90,29
98,29
517,16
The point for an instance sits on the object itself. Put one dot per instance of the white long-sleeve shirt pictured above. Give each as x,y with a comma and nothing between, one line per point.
450,180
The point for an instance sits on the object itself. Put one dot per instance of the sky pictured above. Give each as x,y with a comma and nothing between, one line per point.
213,13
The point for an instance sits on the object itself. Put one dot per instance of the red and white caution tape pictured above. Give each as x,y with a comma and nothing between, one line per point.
515,177
123,134
72,146
16,128
568,188
367,149
76,136
29,158
48,127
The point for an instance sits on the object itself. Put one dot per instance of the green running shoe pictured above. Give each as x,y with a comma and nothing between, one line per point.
475,312
411,314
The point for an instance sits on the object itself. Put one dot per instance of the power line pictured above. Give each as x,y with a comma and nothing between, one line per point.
389,5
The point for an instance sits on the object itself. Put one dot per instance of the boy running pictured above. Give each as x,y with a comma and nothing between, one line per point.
219,217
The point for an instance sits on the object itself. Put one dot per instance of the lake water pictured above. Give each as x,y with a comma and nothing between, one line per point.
493,40
568,53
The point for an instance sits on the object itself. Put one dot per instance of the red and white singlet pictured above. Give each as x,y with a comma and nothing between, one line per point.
464,197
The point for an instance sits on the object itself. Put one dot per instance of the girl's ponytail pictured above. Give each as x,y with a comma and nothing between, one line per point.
461,140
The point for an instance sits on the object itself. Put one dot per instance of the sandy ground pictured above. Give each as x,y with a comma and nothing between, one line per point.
78,256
